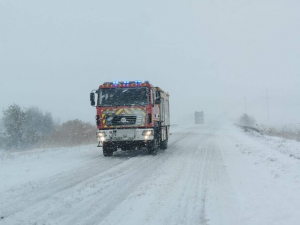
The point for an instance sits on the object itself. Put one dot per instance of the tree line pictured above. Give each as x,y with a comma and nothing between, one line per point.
24,128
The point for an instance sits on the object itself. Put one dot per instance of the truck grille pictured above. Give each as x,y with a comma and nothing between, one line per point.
121,120
124,120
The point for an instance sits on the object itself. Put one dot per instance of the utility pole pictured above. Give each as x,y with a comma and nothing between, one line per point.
268,115
245,105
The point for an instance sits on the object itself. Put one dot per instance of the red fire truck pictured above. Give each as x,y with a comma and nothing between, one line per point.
130,115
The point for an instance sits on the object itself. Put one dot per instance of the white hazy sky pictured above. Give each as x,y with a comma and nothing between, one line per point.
208,54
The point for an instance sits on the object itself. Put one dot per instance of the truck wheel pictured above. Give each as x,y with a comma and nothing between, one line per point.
152,147
107,150
164,145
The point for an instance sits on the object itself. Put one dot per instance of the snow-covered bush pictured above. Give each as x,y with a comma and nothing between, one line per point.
13,121
25,127
246,120
37,125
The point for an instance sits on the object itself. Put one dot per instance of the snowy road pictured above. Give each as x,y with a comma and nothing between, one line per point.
210,174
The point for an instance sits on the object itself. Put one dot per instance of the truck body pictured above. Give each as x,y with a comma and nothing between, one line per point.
199,117
130,115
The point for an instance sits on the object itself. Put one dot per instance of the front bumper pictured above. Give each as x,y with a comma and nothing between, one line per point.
125,135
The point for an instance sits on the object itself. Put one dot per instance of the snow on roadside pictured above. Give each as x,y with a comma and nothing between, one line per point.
283,145
266,177
21,167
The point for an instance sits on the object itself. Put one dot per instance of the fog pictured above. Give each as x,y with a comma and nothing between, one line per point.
221,57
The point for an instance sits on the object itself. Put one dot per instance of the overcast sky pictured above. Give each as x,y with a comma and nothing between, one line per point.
210,55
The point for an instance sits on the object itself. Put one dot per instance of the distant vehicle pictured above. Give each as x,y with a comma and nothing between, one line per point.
131,114
199,117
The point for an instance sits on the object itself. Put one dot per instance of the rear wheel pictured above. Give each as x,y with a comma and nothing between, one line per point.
107,149
164,144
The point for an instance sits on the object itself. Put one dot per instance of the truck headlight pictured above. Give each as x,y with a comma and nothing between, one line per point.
102,139
147,133
101,134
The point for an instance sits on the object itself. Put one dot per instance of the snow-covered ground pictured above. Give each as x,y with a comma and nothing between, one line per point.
210,174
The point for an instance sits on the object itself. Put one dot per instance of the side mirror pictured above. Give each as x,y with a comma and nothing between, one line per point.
92,98
157,101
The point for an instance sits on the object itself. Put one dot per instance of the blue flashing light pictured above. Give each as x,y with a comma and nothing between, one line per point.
116,82
147,82
126,82
138,82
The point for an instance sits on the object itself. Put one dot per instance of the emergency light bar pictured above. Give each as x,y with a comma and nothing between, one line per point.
125,82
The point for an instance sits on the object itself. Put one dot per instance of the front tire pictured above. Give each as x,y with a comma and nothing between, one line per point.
107,150
152,147
164,145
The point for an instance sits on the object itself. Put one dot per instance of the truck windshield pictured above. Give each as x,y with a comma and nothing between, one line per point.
123,96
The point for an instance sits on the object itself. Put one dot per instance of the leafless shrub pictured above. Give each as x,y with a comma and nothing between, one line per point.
291,132
71,133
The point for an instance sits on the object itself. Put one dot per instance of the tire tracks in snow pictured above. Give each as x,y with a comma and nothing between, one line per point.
31,197
18,199
173,194
183,189
116,196
172,187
